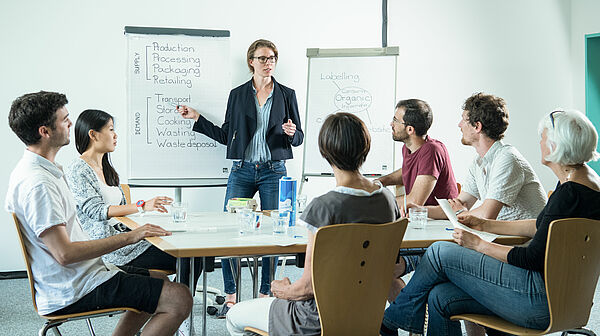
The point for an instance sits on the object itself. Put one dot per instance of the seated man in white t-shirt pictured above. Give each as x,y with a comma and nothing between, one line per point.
69,274
500,177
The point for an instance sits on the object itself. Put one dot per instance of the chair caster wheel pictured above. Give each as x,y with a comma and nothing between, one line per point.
220,299
211,310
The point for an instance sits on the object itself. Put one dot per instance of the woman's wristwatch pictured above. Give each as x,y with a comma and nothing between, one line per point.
140,206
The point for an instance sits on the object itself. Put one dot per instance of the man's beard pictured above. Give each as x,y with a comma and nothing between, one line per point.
400,137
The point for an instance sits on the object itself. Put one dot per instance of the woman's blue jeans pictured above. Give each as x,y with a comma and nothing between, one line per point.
453,280
245,180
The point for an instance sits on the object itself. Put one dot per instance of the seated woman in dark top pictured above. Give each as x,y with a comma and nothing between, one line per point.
344,142
479,277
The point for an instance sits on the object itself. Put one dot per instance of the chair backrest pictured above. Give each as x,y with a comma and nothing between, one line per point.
127,192
26,258
572,269
352,267
399,190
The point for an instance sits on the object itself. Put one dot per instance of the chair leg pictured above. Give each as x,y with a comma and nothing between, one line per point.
254,276
90,327
238,280
578,331
47,326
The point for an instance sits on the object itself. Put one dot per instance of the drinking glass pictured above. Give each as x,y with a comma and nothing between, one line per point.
418,217
301,199
179,212
245,221
280,221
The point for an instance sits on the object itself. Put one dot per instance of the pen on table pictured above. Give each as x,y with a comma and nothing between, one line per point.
449,229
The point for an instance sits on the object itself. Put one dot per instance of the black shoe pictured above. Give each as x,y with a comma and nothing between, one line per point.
224,309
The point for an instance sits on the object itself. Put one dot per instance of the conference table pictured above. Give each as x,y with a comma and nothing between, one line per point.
216,234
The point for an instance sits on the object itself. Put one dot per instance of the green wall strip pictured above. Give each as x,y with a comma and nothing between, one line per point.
592,84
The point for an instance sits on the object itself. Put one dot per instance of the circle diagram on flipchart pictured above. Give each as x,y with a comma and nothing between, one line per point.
352,99
363,86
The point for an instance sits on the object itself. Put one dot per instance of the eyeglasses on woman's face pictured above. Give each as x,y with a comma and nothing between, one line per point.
265,60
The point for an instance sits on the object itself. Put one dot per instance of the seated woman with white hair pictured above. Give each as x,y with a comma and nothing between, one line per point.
479,277
344,142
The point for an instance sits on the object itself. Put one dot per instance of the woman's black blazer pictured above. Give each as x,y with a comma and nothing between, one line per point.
240,122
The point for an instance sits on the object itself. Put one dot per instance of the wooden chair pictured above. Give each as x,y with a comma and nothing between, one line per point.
399,190
127,192
165,272
571,274
53,320
351,275
254,331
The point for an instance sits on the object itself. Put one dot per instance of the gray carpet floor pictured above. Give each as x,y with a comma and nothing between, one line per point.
17,316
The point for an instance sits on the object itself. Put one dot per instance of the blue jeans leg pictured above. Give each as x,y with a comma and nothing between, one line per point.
244,181
268,189
479,284
445,299
240,184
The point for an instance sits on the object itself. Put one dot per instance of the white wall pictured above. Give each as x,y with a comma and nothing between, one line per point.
78,48
584,20
519,50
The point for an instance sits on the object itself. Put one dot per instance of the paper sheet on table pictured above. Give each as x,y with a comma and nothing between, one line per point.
277,240
454,220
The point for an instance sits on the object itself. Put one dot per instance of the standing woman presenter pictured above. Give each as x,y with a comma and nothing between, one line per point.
261,126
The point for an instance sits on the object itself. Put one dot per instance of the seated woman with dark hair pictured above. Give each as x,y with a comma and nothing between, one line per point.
95,186
344,142
479,277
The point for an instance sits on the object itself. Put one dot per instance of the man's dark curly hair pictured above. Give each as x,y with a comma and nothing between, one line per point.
32,110
490,111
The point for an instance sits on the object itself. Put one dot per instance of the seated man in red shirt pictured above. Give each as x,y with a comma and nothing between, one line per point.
426,171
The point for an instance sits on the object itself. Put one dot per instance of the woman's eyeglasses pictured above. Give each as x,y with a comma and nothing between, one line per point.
264,59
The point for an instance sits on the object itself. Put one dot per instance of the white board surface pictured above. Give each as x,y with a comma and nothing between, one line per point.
362,85
164,70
